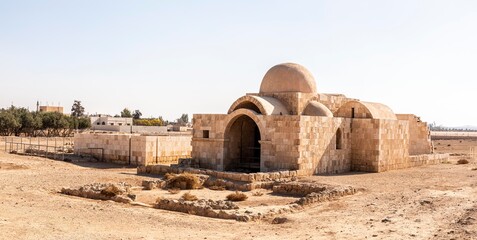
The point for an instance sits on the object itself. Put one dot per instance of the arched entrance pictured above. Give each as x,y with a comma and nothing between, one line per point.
243,151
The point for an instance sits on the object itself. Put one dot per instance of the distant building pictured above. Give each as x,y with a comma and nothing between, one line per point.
51,109
110,121
107,123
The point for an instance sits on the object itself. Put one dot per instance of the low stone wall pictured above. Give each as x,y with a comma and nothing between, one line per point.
115,192
306,188
241,177
427,159
299,188
328,194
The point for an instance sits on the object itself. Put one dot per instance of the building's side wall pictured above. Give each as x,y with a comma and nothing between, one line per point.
419,135
128,129
133,149
379,145
209,151
318,145
280,150
111,148
51,109
364,145
166,149
393,145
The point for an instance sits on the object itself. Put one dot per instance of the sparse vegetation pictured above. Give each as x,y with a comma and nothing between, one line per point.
183,181
257,193
189,197
149,122
237,196
111,191
463,161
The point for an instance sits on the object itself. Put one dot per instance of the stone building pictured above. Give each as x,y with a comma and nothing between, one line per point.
133,149
57,109
105,120
288,125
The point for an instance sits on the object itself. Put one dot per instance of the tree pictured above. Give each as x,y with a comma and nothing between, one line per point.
137,114
126,113
77,110
183,120
8,122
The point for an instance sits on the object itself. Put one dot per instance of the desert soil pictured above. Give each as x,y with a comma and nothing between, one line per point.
430,202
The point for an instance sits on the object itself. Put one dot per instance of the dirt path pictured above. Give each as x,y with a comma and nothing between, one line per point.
432,202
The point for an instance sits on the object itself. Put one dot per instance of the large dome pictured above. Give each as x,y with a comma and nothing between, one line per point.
288,77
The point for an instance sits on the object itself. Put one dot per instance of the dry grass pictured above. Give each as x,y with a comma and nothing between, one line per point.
257,193
217,188
183,181
463,161
174,190
237,197
189,197
111,191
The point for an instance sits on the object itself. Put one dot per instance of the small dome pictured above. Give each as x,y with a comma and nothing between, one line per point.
288,77
315,108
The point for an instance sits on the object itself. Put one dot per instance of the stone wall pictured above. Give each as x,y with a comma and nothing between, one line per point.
308,144
379,145
393,144
133,149
426,159
364,145
419,135
319,148
304,143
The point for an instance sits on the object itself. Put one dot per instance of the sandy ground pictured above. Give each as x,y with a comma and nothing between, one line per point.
431,202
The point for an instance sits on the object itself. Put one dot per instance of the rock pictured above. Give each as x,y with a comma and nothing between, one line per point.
279,220
425,202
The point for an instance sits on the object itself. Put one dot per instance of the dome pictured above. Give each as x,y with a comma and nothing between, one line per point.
315,108
288,77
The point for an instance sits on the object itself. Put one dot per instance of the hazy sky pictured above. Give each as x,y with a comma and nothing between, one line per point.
171,57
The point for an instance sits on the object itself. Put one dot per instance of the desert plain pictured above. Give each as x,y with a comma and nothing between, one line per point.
429,202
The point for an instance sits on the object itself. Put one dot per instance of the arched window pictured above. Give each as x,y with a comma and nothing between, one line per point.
339,139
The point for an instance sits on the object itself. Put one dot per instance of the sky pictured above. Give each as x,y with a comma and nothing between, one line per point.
166,58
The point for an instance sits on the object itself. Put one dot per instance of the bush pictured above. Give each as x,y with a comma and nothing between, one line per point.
183,181
237,197
463,161
111,191
189,197
257,193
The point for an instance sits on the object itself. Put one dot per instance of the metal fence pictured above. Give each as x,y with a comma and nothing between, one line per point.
50,147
